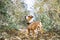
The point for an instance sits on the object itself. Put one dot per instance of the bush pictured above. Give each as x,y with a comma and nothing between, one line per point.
46,21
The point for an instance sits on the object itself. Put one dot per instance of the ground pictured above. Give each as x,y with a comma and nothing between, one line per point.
22,35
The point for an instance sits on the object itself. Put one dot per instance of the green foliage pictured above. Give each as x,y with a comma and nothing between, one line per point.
48,13
46,21
2,8
13,14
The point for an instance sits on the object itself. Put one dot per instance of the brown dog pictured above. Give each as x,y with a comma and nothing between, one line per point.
33,26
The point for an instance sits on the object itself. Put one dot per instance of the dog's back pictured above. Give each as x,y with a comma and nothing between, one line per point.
33,25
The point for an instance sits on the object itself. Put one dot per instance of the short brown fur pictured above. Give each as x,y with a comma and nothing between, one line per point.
33,26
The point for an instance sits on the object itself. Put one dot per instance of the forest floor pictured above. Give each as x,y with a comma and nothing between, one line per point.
22,35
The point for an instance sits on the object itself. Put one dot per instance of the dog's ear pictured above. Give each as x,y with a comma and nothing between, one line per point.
31,16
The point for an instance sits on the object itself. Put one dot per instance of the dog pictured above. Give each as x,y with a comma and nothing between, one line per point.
33,26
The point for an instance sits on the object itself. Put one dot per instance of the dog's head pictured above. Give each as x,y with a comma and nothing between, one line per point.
29,19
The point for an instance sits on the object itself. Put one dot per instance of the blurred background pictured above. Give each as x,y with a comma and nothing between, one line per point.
13,12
